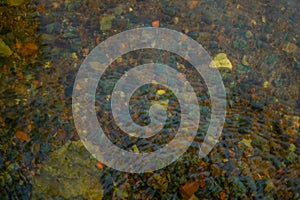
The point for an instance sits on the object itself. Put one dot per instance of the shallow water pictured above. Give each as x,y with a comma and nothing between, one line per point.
43,44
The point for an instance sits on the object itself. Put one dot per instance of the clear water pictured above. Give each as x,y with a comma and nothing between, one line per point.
257,156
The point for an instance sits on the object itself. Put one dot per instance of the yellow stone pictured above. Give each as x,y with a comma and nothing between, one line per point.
160,92
122,94
119,59
176,20
135,149
264,19
221,61
74,55
180,66
253,22
244,61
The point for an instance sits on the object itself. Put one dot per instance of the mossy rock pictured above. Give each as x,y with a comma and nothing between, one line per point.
69,173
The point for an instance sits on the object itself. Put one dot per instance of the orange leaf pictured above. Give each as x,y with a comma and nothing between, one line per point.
22,136
155,23
193,4
188,189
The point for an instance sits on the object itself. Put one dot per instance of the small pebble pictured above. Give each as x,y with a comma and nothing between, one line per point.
175,20
249,34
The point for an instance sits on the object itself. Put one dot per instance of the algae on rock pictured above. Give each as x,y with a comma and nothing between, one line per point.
69,173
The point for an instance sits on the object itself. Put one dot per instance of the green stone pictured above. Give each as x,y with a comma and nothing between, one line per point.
70,172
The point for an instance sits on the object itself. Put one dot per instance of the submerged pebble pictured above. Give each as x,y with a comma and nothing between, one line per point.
240,44
69,173
221,61
249,34
106,22
15,2
4,49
